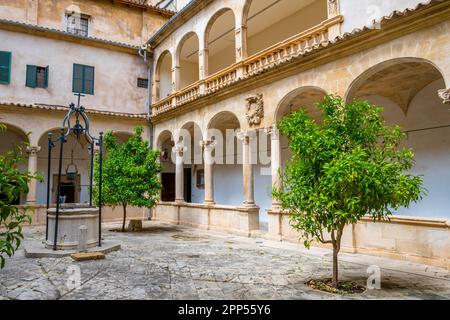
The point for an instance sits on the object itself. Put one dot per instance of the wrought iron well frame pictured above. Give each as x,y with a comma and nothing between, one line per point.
66,130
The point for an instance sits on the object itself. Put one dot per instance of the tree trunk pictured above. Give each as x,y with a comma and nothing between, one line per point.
336,248
124,205
335,280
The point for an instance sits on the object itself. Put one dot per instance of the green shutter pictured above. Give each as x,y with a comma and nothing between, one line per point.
77,79
5,67
46,77
83,79
31,80
88,83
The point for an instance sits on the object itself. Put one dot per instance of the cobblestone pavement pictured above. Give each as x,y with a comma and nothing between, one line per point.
174,262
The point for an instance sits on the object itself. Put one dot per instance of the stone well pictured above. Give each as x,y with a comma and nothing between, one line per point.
70,219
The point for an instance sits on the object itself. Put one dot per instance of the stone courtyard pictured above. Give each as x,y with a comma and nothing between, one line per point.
176,262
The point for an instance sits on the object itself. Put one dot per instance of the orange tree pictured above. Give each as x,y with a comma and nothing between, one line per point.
345,168
130,173
13,183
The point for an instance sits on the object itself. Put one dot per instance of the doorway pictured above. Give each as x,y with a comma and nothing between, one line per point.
168,187
188,185
70,188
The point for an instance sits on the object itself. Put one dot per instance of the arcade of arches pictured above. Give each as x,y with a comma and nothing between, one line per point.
403,75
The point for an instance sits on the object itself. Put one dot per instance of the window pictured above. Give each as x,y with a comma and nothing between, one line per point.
83,79
37,77
78,24
5,67
142,83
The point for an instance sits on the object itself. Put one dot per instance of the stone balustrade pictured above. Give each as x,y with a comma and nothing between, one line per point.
262,61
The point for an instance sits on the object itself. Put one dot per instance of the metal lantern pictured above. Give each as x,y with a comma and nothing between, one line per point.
71,170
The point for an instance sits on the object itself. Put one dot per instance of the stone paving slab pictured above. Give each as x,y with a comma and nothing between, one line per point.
36,249
174,262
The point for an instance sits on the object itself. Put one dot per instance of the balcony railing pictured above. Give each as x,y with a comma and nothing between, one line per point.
261,61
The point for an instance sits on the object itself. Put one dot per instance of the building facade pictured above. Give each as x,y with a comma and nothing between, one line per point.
51,49
224,73
221,73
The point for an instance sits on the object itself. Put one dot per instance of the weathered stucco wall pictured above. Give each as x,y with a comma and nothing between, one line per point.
114,22
115,78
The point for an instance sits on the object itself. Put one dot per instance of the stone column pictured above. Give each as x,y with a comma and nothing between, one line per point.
175,78
241,43
247,170
32,168
208,146
179,150
275,158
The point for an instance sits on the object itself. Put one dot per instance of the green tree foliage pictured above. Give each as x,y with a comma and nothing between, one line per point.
13,183
130,173
349,166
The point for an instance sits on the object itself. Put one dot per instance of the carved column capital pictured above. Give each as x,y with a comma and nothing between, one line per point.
208,145
33,150
179,149
245,136
273,132
444,94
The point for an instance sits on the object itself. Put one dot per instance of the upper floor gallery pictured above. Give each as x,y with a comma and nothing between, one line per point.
211,44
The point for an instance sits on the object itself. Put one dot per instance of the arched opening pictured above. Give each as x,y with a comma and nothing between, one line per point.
222,128
407,89
272,21
75,174
220,41
194,187
302,98
9,140
188,59
165,145
163,76
122,137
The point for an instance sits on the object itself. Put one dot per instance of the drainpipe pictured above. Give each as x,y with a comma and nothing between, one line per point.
143,53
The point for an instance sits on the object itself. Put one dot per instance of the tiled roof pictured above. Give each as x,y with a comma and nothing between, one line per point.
145,5
65,33
41,106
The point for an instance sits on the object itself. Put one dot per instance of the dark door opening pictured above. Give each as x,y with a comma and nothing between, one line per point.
68,191
188,185
168,187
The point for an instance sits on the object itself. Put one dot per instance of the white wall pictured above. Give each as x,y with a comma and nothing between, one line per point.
228,184
115,74
431,147
358,13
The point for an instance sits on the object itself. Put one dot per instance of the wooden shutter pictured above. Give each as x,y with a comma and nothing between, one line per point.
5,67
89,80
46,77
31,79
77,79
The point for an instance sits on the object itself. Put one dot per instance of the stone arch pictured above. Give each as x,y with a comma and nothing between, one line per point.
122,136
18,132
163,137
213,65
383,79
407,90
268,22
163,75
306,97
187,59
191,135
